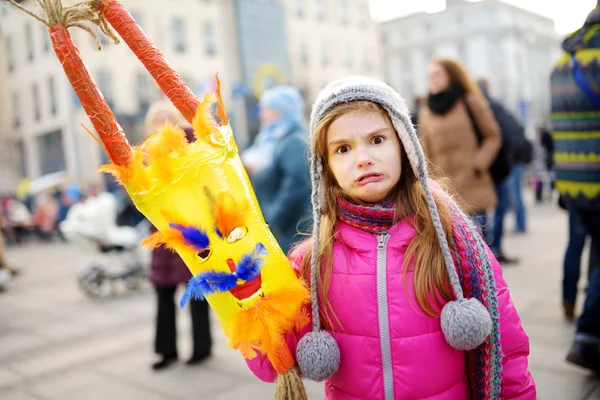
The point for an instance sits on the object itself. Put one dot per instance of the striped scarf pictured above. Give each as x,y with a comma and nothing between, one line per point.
484,365
477,278
374,218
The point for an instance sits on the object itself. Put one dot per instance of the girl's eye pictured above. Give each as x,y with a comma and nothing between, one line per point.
203,255
342,149
377,140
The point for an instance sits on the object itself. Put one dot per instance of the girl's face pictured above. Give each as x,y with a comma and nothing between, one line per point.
363,152
437,78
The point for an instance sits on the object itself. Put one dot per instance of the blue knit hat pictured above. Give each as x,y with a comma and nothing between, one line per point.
286,100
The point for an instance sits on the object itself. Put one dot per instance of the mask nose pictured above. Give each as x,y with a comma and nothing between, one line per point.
231,264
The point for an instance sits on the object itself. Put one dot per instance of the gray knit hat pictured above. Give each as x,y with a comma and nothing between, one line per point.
466,323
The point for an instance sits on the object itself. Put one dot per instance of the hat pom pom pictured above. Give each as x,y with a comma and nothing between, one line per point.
318,355
466,323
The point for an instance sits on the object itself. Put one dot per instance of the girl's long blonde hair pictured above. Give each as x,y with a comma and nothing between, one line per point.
429,277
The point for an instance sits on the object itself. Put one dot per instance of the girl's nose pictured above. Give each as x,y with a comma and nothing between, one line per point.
364,158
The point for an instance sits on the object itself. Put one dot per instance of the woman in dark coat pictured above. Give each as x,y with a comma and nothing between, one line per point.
168,271
277,163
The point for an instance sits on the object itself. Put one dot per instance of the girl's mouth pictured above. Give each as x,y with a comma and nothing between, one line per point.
371,177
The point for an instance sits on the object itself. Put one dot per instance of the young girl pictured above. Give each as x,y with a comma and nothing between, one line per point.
408,302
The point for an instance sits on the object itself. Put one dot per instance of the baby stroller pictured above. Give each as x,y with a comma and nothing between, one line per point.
92,226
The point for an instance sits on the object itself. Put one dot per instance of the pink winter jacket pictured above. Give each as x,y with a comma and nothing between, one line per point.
418,363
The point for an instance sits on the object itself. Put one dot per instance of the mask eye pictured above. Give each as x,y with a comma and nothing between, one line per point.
203,255
237,234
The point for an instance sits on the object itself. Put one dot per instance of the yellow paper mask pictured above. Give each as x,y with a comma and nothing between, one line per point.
199,198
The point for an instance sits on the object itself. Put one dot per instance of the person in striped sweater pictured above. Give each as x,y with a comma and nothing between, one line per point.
575,86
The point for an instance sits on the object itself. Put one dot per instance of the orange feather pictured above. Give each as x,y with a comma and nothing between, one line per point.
221,112
263,327
153,241
229,213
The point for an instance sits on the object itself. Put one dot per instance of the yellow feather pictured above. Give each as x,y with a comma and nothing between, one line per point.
204,124
172,137
138,179
120,173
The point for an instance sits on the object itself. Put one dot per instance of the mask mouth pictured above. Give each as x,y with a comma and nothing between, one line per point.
246,289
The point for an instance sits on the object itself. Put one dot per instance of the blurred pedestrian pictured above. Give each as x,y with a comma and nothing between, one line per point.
414,113
45,215
572,261
168,271
278,167
515,143
19,218
546,154
575,119
460,136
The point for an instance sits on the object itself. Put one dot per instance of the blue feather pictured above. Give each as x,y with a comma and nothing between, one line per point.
249,266
207,283
185,296
218,232
193,236
216,281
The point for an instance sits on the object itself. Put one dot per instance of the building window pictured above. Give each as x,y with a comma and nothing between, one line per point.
20,154
52,93
298,7
178,32
51,152
462,52
45,39
343,11
320,9
348,53
363,13
210,45
10,54
324,54
37,111
303,52
428,27
29,39
142,89
105,85
16,110
367,61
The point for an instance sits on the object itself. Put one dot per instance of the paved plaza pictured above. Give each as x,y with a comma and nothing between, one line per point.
56,343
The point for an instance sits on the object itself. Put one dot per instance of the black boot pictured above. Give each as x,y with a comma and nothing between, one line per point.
197,359
163,363
586,355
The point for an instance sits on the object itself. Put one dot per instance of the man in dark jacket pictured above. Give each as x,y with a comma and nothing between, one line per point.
514,141
278,165
575,84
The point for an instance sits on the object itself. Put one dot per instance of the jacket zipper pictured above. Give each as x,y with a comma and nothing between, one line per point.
384,322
